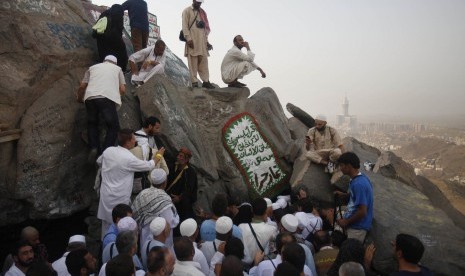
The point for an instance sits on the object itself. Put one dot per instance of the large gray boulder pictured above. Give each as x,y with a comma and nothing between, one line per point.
46,48
194,118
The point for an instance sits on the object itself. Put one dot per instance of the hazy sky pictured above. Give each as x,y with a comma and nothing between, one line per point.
398,57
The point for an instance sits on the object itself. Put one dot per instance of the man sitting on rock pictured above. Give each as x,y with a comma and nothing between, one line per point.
324,145
153,60
236,64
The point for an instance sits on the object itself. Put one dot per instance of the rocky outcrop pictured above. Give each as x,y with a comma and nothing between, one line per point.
46,48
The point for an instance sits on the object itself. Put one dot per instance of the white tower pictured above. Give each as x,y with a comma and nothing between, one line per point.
345,106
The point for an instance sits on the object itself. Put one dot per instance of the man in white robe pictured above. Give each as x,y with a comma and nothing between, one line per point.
153,60
118,166
236,64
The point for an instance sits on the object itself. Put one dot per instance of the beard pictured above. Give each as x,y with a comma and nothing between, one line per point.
321,129
26,263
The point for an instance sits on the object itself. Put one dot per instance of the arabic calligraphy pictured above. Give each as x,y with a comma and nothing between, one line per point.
255,155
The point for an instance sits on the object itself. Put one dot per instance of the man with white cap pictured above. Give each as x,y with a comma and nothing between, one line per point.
160,231
189,229
223,229
126,244
154,202
323,145
289,224
75,242
196,28
110,251
101,90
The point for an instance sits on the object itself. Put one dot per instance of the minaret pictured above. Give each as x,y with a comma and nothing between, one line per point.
345,106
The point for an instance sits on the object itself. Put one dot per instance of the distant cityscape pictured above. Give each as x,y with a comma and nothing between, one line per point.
393,136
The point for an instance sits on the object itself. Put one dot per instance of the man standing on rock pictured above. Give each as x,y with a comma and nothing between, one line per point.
236,64
118,166
101,90
196,28
139,22
357,220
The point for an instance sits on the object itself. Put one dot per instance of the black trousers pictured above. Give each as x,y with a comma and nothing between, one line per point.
106,109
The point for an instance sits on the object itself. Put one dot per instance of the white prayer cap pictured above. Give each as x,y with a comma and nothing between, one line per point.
188,227
158,176
77,239
223,225
200,1
127,224
157,226
111,58
268,202
290,222
321,117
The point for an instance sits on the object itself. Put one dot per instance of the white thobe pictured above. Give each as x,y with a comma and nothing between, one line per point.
208,249
60,266
144,55
118,167
187,268
200,258
146,143
265,233
308,222
266,268
236,64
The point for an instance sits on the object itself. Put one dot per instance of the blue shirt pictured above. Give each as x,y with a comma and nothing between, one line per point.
138,14
361,193
110,235
208,232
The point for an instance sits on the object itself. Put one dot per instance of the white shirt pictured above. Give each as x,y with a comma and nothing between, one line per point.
266,268
148,54
14,271
187,268
104,79
200,258
60,266
118,167
308,222
265,233
208,249
232,66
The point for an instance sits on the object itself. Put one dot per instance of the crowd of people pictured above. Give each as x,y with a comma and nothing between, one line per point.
149,225
156,234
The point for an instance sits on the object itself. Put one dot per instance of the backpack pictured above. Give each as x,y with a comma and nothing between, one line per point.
102,27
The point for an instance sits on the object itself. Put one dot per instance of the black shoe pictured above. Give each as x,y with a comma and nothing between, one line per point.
207,85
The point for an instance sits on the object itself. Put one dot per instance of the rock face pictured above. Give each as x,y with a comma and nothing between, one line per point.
46,48
194,118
